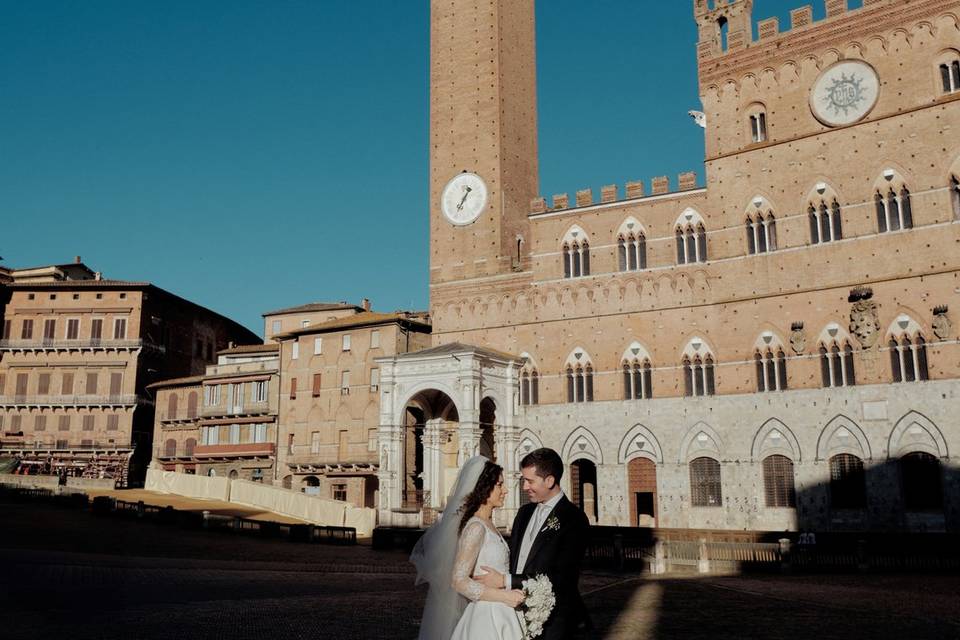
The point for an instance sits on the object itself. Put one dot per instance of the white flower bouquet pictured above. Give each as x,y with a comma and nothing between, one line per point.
537,606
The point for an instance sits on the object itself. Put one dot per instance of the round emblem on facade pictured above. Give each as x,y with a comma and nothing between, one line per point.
464,198
845,93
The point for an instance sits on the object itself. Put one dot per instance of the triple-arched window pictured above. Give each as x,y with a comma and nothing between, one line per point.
631,251
761,233
637,379
894,211
579,383
771,366
908,358
691,244
576,259
698,376
825,221
836,364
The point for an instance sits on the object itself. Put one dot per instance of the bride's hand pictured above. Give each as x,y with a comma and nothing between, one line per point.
492,578
515,597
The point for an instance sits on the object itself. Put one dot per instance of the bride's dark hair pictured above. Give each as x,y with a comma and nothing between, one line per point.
481,491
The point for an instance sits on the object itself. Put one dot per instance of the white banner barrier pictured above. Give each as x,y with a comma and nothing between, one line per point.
312,509
30,482
192,486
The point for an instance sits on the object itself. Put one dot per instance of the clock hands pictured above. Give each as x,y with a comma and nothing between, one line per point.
466,192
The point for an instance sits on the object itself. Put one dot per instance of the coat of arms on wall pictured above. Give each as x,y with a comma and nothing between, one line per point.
941,323
798,339
864,323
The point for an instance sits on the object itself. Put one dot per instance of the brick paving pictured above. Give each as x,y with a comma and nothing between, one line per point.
70,574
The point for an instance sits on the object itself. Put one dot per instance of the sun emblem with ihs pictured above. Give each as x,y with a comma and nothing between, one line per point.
845,93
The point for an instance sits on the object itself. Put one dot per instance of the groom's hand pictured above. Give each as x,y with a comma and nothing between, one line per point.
492,578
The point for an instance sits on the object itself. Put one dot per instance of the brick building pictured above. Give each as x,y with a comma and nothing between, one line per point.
330,400
773,350
78,352
223,423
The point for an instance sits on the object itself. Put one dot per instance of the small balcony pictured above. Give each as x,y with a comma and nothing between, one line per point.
21,445
228,451
88,344
331,456
50,401
249,408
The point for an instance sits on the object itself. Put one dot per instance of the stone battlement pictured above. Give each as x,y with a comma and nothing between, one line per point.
735,18
634,190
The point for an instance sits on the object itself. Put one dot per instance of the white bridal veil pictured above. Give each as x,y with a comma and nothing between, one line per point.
434,556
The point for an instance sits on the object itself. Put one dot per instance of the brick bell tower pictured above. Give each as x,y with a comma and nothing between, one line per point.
483,136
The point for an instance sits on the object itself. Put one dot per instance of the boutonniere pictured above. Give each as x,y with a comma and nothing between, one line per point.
552,524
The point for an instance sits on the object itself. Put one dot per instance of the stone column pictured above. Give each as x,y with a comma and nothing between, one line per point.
433,437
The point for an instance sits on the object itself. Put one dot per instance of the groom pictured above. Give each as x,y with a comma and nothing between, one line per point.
549,536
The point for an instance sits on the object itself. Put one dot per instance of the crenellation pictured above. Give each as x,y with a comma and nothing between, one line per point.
538,205
584,197
687,181
560,201
768,28
660,185
736,41
635,189
801,17
836,7
608,193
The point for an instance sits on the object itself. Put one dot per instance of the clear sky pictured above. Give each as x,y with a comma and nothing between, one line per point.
249,155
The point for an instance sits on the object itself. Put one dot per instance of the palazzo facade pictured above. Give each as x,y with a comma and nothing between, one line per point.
773,350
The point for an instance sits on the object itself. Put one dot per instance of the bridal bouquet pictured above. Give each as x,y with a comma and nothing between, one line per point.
537,606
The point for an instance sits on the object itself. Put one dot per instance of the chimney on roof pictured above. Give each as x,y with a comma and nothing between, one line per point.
365,303
231,344
76,259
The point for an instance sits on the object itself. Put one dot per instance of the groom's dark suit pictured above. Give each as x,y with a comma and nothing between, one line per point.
557,552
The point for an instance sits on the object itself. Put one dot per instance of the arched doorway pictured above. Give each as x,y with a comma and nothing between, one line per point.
429,448
921,482
583,487
488,415
642,492
233,475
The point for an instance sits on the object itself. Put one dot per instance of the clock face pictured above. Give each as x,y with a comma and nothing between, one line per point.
845,93
464,198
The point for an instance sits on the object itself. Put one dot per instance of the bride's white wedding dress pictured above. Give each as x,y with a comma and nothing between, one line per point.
482,545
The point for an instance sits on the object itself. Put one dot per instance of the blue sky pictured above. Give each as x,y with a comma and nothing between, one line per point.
250,155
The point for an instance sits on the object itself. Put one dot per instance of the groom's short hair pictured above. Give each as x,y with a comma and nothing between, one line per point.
547,462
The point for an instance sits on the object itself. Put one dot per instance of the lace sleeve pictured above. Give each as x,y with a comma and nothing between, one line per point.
468,549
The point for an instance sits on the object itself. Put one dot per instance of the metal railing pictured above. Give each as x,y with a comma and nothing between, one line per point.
88,343
57,446
71,400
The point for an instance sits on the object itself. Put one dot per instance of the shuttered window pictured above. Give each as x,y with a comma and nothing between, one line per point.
778,483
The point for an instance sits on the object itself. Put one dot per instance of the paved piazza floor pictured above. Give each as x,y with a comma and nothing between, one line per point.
70,574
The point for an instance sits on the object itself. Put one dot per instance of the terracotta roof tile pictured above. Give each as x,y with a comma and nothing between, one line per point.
363,319
314,306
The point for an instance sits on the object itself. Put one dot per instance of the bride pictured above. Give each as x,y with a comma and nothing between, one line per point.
449,553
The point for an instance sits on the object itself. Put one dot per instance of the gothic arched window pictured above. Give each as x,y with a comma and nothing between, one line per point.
836,365
778,483
893,205
908,356
847,482
761,233
705,486
771,366
631,251
825,222
955,196
950,73
637,380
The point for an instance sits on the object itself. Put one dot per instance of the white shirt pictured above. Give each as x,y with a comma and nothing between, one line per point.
536,521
